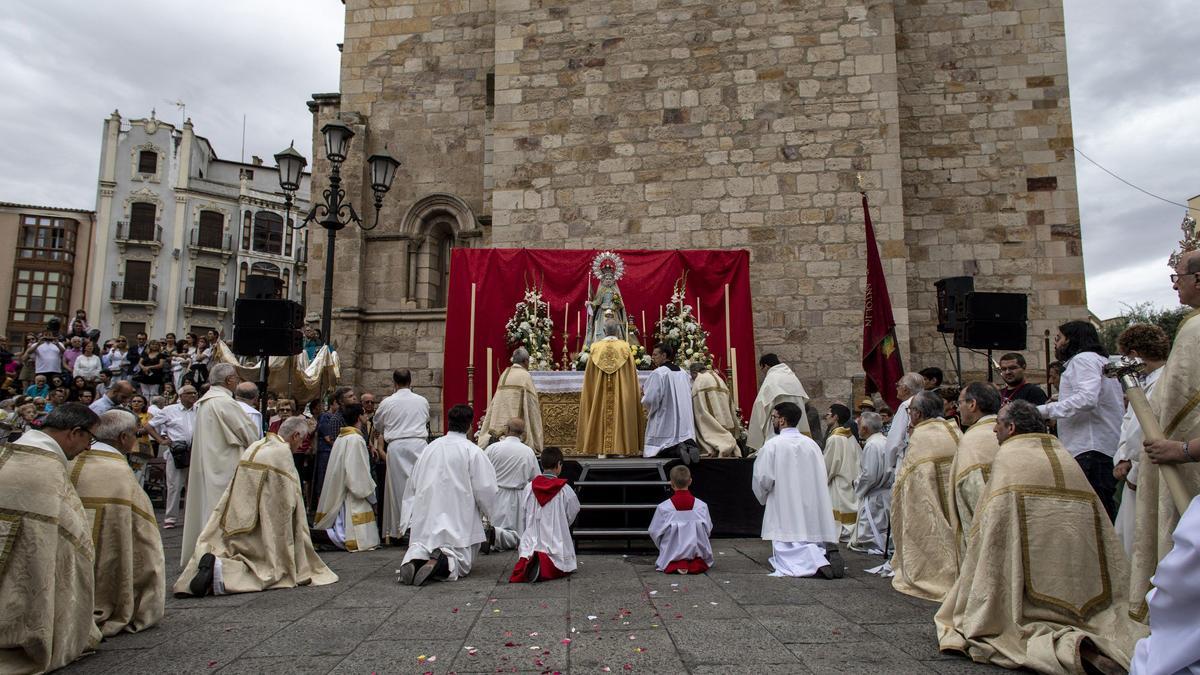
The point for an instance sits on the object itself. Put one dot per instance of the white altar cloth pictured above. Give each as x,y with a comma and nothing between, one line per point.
569,381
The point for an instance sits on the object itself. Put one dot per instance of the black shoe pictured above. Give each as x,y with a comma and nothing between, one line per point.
202,584
489,540
437,567
836,562
533,570
825,572
693,452
407,571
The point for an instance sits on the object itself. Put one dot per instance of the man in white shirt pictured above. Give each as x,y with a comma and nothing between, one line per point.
789,479
246,395
176,424
47,356
515,466
402,419
909,385
668,403
1089,408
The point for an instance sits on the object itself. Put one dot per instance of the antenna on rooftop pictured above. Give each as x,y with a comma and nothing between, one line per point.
182,110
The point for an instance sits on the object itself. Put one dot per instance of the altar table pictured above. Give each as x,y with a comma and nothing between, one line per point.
558,396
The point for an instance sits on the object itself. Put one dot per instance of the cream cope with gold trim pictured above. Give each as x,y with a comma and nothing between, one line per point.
130,573
516,396
925,560
46,559
841,469
779,386
1177,401
259,530
717,424
1044,569
348,484
970,470
610,417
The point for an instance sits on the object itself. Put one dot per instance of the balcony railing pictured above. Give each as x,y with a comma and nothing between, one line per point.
210,241
206,299
134,292
139,234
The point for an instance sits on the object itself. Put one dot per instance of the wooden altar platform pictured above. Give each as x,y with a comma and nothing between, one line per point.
558,396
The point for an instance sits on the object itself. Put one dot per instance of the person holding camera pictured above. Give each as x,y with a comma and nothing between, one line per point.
47,354
175,424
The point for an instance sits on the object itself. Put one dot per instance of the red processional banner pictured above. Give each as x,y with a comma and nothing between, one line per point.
880,352
486,285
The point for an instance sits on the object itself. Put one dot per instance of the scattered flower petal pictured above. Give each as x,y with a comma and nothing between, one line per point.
591,617
565,641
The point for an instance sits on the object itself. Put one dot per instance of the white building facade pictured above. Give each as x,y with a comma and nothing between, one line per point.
178,231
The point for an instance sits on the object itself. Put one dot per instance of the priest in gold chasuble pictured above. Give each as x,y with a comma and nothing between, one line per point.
978,403
610,420
1044,582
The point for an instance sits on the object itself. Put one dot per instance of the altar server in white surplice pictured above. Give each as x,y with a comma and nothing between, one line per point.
680,529
515,466
222,431
451,485
403,421
550,505
345,510
779,385
841,467
789,479
873,487
1174,642
668,402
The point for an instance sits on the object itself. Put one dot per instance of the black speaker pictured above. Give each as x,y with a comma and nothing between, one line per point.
263,287
950,292
993,321
267,327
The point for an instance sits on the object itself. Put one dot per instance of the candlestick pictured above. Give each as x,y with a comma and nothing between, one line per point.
644,333
733,375
566,321
728,342
698,312
471,342
489,376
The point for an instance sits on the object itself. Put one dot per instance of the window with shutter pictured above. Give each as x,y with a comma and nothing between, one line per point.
137,280
141,221
212,226
147,161
207,287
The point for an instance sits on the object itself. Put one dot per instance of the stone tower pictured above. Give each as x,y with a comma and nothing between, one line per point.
674,124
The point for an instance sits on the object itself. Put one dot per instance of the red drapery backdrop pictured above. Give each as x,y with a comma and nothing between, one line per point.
499,277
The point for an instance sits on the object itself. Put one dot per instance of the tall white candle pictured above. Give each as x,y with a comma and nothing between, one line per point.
489,376
471,342
728,342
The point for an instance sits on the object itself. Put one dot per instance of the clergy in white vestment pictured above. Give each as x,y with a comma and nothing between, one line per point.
345,510
717,423
1174,642
246,394
402,419
909,385
515,466
222,432
46,554
873,487
978,405
789,479
131,577
779,385
257,538
841,468
547,551
452,484
516,396
667,398
680,529
1150,344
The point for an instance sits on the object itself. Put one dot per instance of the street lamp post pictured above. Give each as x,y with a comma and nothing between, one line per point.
334,211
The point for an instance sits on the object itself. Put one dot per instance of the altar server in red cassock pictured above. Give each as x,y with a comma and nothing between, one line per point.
546,550
680,529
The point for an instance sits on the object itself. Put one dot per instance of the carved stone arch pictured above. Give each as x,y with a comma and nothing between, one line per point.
431,227
145,194
426,210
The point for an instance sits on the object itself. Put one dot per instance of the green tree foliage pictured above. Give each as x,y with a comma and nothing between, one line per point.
1145,312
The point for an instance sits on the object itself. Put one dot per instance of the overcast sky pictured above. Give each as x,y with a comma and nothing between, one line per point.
65,65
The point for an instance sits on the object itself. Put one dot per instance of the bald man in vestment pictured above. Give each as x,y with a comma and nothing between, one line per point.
717,422
516,396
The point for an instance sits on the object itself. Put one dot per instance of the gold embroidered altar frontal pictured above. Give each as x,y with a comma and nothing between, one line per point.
558,396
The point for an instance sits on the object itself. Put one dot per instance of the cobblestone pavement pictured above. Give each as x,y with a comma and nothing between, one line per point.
616,614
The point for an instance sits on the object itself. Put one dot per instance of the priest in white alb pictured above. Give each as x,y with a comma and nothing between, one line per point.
516,396
978,405
46,554
515,466
131,577
873,487
550,506
926,556
717,423
257,538
346,508
910,385
667,398
1043,585
402,419
789,479
779,385
452,484
841,468
222,432
680,529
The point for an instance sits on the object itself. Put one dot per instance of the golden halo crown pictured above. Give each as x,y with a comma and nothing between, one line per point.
607,261
1190,241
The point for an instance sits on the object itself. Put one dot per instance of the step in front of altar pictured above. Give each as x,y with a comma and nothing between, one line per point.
617,497
558,398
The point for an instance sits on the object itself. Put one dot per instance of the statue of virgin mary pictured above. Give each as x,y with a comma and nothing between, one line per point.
606,303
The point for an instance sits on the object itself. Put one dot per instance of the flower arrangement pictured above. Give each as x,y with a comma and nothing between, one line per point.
531,327
681,329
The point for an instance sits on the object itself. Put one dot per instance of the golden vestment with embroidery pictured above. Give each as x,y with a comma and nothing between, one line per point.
971,468
925,560
610,421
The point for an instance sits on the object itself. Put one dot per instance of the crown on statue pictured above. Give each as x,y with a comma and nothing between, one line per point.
608,263
1190,241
